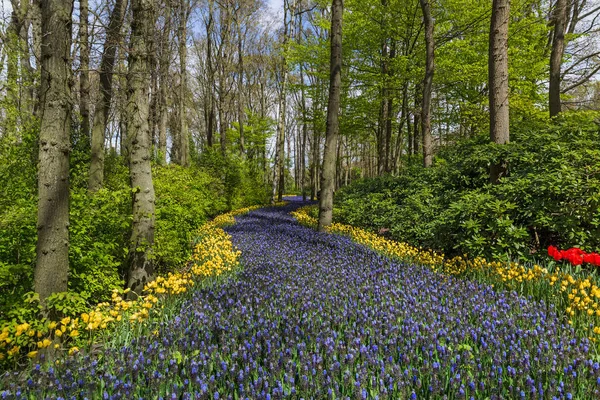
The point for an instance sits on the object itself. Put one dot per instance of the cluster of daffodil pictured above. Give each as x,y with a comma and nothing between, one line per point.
578,297
212,256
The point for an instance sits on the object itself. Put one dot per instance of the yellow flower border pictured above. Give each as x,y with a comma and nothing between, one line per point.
212,256
577,297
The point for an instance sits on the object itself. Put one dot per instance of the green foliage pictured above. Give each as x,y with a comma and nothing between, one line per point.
66,303
100,223
551,196
185,198
243,181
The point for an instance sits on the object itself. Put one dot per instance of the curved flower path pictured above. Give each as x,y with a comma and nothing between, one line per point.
315,315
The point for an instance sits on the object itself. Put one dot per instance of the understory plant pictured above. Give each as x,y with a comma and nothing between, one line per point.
551,195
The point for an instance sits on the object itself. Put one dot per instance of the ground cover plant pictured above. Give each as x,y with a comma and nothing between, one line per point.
574,292
315,315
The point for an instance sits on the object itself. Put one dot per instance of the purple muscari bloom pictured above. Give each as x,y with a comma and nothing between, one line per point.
312,315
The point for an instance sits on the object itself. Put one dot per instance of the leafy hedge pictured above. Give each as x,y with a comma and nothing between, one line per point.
551,196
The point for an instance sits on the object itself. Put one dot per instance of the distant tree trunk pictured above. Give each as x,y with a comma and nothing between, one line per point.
84,69
163,74
278,178
304,132
184,136
333,109
417,119
278,175
498,82
141,269
390,113
404,120
210,122
427,85
52,264
240,102
107,65
315,156
558,47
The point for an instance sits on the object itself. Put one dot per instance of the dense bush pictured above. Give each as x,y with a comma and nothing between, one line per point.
100,224
551,195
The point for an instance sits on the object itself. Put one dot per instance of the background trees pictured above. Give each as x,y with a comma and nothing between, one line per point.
234,93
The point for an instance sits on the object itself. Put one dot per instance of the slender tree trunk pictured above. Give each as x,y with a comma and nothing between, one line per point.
416,125
52,264
390,113
278,182
333,109
107,65
184,137
278,178
210,123
315,159
240,102
163,73
404,119
558,48
84,69
427,85
304,132
36,29
498,82
141,269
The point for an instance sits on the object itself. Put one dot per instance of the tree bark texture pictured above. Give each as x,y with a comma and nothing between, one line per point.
163,76
107,65
84,69
278,175
184,136
141,269
427,84
556,55
498,82
333,109
52,264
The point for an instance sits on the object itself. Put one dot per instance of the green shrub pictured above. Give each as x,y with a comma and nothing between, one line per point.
100,224
185,199
551,195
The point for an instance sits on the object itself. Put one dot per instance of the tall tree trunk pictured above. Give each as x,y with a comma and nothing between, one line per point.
427,85
36,29
304,133
52,264
210,123
240,102
390,113
333,109
184,137
417,119
404,120
141,269
558,47
163,74
315,156
84,69
279,176
498,82
107,65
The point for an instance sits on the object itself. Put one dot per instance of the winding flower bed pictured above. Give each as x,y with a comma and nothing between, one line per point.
212,256
313,315
577,297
